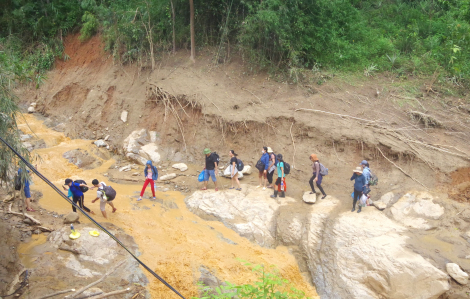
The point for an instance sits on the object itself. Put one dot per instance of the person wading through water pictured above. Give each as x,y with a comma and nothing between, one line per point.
281,178
211,168
234,170
77,195
359,183
151,176
101,195
271,167
317,177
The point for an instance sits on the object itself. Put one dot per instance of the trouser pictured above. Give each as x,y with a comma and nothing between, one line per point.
270,177
79,200
357,196
148,181
318,184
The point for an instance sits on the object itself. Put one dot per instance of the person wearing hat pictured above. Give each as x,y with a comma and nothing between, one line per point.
271,167
211,169
359,183
365,170
262,175
317,177
77,195
151,175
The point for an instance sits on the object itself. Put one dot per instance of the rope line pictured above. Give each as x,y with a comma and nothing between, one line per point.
90,218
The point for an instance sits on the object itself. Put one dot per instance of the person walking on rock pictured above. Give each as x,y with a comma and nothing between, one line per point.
77,195
317,177
359,183
211,169
365,170
264,169
151,176
281,179
103,197
234,170
271,167
27,191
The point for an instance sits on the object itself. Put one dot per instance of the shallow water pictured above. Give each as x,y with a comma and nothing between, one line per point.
173,242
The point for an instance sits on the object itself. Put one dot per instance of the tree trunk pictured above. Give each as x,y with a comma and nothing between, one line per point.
173,22
191,19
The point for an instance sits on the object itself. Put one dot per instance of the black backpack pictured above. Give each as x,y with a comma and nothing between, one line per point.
17,182
82,188
286,168
240,165
260,165
109,192
215,157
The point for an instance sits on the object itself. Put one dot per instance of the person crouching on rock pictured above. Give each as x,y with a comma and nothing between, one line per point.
101,195
234,170
359,183
77,195
211,169
151,175
317,177
281,178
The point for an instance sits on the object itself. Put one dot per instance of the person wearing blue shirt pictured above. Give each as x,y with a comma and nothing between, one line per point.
359,183
77,195
27,192
365,170
263,173
151,176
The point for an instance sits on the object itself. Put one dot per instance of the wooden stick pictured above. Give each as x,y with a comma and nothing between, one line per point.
340,115
55,294
293,143
402,170
96,282
25,215
111,294
91,295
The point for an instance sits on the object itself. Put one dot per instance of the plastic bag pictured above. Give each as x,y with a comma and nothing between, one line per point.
200,178
352,195
363,200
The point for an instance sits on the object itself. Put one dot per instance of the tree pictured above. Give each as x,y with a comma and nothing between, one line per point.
173,24
149,30
191,21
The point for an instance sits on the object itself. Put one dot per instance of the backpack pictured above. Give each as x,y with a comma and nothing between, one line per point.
286,168
374,180
260,165
83,188
240,165
323,170
109,192
215,157
17,182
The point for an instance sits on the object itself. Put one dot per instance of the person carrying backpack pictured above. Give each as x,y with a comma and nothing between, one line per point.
317,176
234,170
359,184
211,170
77,195
27,192
103,197
271,167
151,175
262,167
366,170
281,179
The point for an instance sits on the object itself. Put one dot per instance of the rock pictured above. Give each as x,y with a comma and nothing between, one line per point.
309,198
125,168
28,146
134,141
417,210
28,221
124,116
136,158
228,174
246,169
165,190
149,151
153,136
82,159
106,138
71,217
167,177
33,105
387,198
180,166
379,205
456,273
25,137
100,143
136,174
31,110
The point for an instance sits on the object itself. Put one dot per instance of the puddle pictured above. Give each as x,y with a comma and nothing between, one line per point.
175,243
31,251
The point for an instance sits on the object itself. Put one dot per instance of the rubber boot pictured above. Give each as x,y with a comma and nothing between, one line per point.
354,205
359,210
275,194
283,194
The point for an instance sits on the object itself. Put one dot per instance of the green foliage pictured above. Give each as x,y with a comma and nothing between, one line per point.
89,27
270,285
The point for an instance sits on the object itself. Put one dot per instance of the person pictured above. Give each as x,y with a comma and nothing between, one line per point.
281,179
263,173
234,170
211,169
317,177
101,195
151,176
271,167
27,191
359,183
365,170
77,195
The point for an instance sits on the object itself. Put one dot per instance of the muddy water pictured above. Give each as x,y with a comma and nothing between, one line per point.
173,242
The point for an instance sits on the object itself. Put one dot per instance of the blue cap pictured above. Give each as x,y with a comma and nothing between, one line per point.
149,162
364,162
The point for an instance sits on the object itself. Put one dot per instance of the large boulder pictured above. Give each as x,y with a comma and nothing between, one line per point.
228,174
168,177
138,149
180,166
417,210
456,273
71,217
82,159
149,151
247,169
135,141
309,198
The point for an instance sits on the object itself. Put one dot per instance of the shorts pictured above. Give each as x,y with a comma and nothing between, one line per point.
209,173
103,204
27,192
262,173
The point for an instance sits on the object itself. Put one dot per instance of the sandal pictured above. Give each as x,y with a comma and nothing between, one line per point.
216,189
139,199
204,189
30,210
239,189
232,188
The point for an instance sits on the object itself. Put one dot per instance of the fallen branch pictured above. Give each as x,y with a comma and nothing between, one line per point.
212,103
44,229
293,144
96,282
55,294
91,295
24,215
340,115
111,294
402,170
